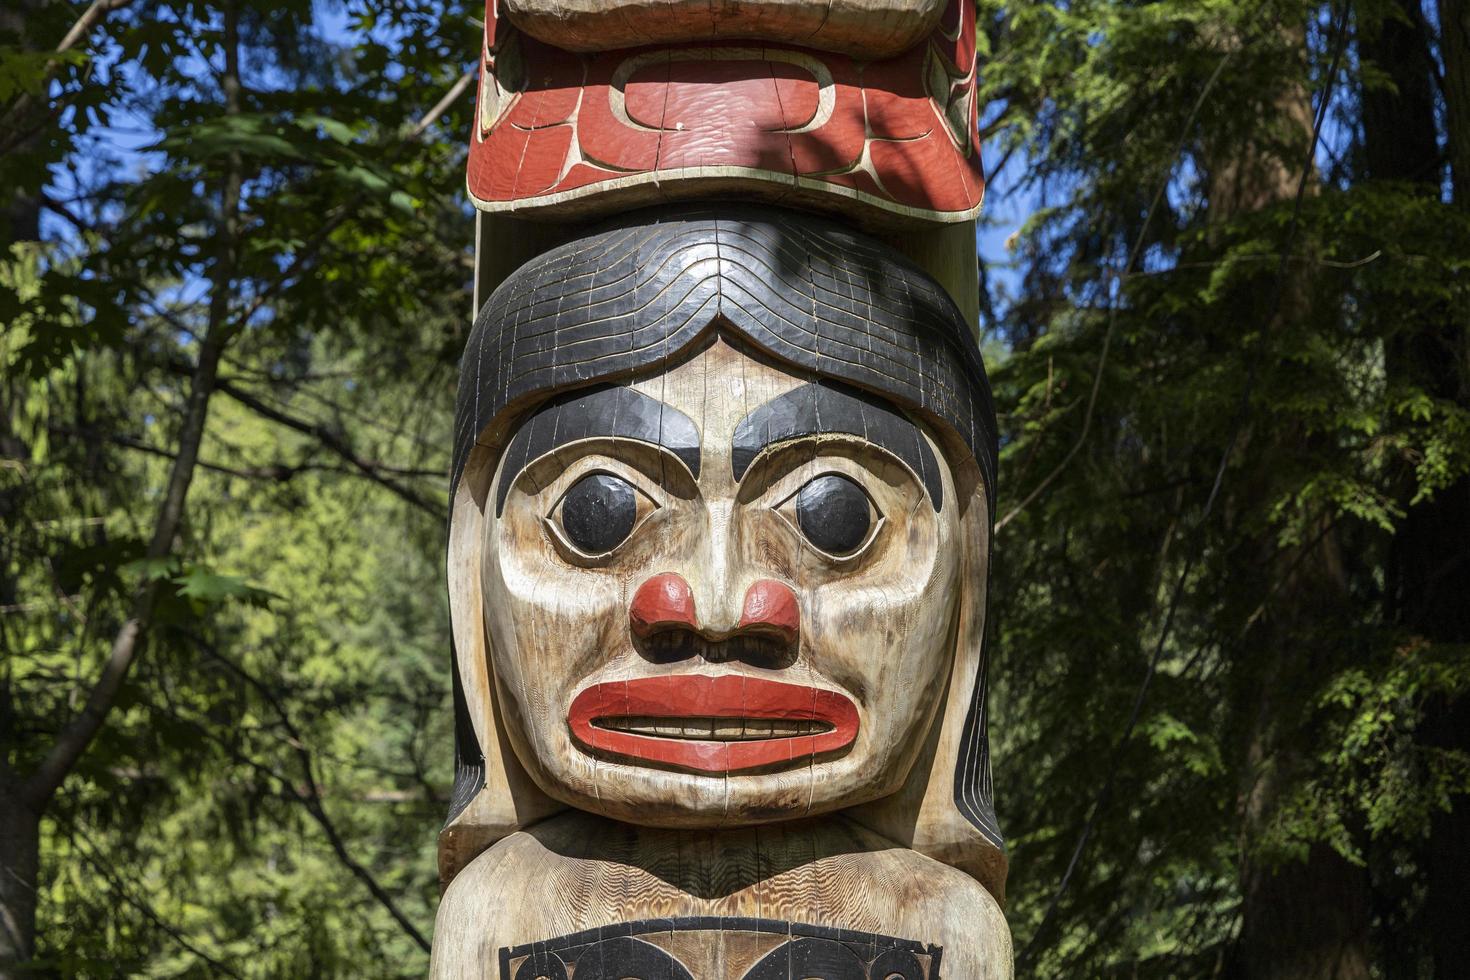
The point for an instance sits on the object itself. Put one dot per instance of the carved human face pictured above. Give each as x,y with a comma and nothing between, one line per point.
720,593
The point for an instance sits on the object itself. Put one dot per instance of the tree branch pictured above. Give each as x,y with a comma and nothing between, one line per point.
275,472
1113,299
336,443
41,785
312,797
308,252
90,855
89,20
93,16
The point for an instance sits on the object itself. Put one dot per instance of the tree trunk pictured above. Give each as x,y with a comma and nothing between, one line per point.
1308,918
1427,581
20,853
20,830
1400,141
1428,573
1454,21
20,216
1302,918
26,797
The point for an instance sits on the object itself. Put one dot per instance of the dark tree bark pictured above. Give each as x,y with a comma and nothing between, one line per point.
20,851
1308,918
1454,22
1428,574
20,828
1400,141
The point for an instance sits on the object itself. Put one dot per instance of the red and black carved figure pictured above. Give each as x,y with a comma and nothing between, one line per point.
722,492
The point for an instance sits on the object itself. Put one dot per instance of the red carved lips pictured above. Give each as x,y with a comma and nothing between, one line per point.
724,723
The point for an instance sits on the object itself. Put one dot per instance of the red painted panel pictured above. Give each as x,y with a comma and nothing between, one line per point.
711,114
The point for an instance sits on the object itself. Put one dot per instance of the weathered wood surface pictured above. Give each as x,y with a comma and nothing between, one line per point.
880,632
870,29
577,873
948,253
878,622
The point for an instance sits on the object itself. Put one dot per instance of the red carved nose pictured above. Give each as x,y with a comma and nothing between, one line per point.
771,607
662,602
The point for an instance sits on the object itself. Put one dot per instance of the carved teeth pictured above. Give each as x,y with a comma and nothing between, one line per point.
715,729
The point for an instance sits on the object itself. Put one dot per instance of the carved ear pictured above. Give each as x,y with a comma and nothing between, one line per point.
493,795
944,809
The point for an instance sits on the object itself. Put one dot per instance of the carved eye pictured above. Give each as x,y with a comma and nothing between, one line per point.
599,512
835,514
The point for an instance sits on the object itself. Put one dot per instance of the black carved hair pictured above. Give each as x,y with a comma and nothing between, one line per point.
805,290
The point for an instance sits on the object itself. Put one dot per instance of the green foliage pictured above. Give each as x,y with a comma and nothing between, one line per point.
1219,319
1209,683
285,733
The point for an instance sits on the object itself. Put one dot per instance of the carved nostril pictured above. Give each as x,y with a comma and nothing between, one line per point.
771,607
663,602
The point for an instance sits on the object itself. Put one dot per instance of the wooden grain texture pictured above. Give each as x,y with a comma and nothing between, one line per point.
949,254
579,872
866,28
504,243
805,290
876,626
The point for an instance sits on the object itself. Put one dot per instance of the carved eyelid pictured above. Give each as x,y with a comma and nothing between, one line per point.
595,449
802,444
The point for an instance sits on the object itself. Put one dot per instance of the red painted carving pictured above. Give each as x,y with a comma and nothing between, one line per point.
695,699
663,602
771,607
561,133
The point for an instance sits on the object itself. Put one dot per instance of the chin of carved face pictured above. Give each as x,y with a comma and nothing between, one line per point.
722,590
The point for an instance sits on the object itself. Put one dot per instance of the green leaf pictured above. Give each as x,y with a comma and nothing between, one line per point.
204,587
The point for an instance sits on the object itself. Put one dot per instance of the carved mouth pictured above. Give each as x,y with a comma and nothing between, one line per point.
724,723
714,729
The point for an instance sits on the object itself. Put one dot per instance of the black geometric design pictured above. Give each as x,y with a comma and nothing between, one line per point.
623,957
828,407
604,411
807,291
802,958
808,953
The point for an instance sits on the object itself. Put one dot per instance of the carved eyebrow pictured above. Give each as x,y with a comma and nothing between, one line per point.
822,407
609,410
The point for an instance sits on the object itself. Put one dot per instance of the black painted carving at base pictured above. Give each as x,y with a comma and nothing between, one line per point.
811,957
629,951
624,957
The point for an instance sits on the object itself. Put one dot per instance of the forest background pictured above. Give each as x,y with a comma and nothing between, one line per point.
1225,291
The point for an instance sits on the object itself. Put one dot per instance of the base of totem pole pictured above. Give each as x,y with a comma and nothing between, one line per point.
618,901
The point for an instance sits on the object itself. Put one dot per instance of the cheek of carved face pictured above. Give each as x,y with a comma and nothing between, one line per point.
723,594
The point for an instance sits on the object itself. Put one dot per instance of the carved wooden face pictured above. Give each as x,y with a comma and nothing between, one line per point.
720,593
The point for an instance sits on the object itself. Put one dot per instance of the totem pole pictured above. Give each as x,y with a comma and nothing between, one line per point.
722,492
